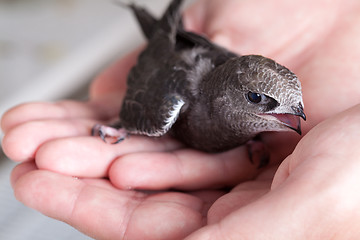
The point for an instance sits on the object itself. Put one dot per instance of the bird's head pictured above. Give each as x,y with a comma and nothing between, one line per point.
266,95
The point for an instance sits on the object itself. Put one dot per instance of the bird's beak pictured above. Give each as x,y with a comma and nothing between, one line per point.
292,119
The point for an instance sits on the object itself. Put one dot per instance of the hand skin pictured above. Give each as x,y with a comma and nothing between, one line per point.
313,194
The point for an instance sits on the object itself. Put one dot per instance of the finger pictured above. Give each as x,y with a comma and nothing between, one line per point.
107,213
182,169
22,142
241,195
60,110
90,156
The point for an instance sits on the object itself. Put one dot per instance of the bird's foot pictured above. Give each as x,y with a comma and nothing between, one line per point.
258,152
109,132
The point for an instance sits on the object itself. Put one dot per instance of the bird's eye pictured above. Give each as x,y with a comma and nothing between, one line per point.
254,97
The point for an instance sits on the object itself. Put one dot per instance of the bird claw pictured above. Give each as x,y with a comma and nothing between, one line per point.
258,151
109,132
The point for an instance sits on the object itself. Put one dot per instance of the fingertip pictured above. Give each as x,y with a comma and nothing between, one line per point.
82,156
150,171
22,141
12,148
24,112
9,118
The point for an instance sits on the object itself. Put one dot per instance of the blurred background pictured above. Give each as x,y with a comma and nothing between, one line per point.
50,50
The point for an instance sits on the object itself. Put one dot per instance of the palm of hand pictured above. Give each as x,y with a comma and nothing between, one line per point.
96,204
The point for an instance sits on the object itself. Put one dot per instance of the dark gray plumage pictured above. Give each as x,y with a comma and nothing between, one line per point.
205,96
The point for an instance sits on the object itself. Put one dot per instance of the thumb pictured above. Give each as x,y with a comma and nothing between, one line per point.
314,193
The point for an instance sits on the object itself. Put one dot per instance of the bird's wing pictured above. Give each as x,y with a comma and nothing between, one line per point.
153,117
157,89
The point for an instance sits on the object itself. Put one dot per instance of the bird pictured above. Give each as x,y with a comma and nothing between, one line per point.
200,93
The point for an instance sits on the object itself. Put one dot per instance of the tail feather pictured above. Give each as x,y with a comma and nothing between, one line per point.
146,21
169,22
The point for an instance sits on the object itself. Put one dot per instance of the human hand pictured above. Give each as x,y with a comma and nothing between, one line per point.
96,206
313,195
